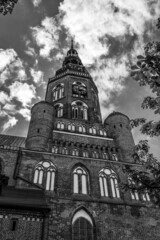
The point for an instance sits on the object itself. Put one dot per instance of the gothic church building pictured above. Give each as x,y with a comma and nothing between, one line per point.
62,181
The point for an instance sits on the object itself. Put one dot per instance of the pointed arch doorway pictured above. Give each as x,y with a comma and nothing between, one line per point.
82,226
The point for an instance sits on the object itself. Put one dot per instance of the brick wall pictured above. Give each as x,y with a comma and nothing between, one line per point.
28,226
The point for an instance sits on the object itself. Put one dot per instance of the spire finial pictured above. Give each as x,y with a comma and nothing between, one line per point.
71,43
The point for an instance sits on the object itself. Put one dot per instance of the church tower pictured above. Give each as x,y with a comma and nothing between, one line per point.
66,178
72,91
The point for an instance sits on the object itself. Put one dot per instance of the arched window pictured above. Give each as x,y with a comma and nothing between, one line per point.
95,154
54,149
79,110
85,154
71,127
137,196
82,129
80,181
45,175
79,90
92,130
82,226
64,151
60,125
146,197
103,132
105,155
59,110
134,193
114,157
108,183
58,92
75,152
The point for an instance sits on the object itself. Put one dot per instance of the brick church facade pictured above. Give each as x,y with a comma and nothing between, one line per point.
62,181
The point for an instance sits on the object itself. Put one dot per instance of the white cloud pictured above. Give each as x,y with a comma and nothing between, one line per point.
95,26
12,121
102,30
11,66
3,97
37,76
23,92
36,3
30,50
2,113
10,108
46,36
26,113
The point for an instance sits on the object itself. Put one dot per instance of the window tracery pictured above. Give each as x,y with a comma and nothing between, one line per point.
64,151
144,196
82,226
79,110
75,152
45,175
114,157
82,129
103,132
79,90
95,154
80,181
60,125
54,149
71,127
105,155
59,110
85,154
108,183
58,92
92,130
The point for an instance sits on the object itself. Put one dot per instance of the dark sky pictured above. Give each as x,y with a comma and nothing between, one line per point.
108,35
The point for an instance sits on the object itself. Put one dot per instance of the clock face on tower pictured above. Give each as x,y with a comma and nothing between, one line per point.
79,90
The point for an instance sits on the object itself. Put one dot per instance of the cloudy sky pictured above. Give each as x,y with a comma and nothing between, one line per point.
108,35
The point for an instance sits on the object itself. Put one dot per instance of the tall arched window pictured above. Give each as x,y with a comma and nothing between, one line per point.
54,149
58,92
82,226
60,125
92,130
71,127
80,181
82,129
114,157
79,110
64,151
95,154
144,196
85,154
105,155
108,183
59,110
75,152
103,132
134,193
45,175
79,90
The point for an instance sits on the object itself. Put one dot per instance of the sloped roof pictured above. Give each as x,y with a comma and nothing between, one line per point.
12,141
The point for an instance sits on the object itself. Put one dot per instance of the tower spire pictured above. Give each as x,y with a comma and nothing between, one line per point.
72,43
